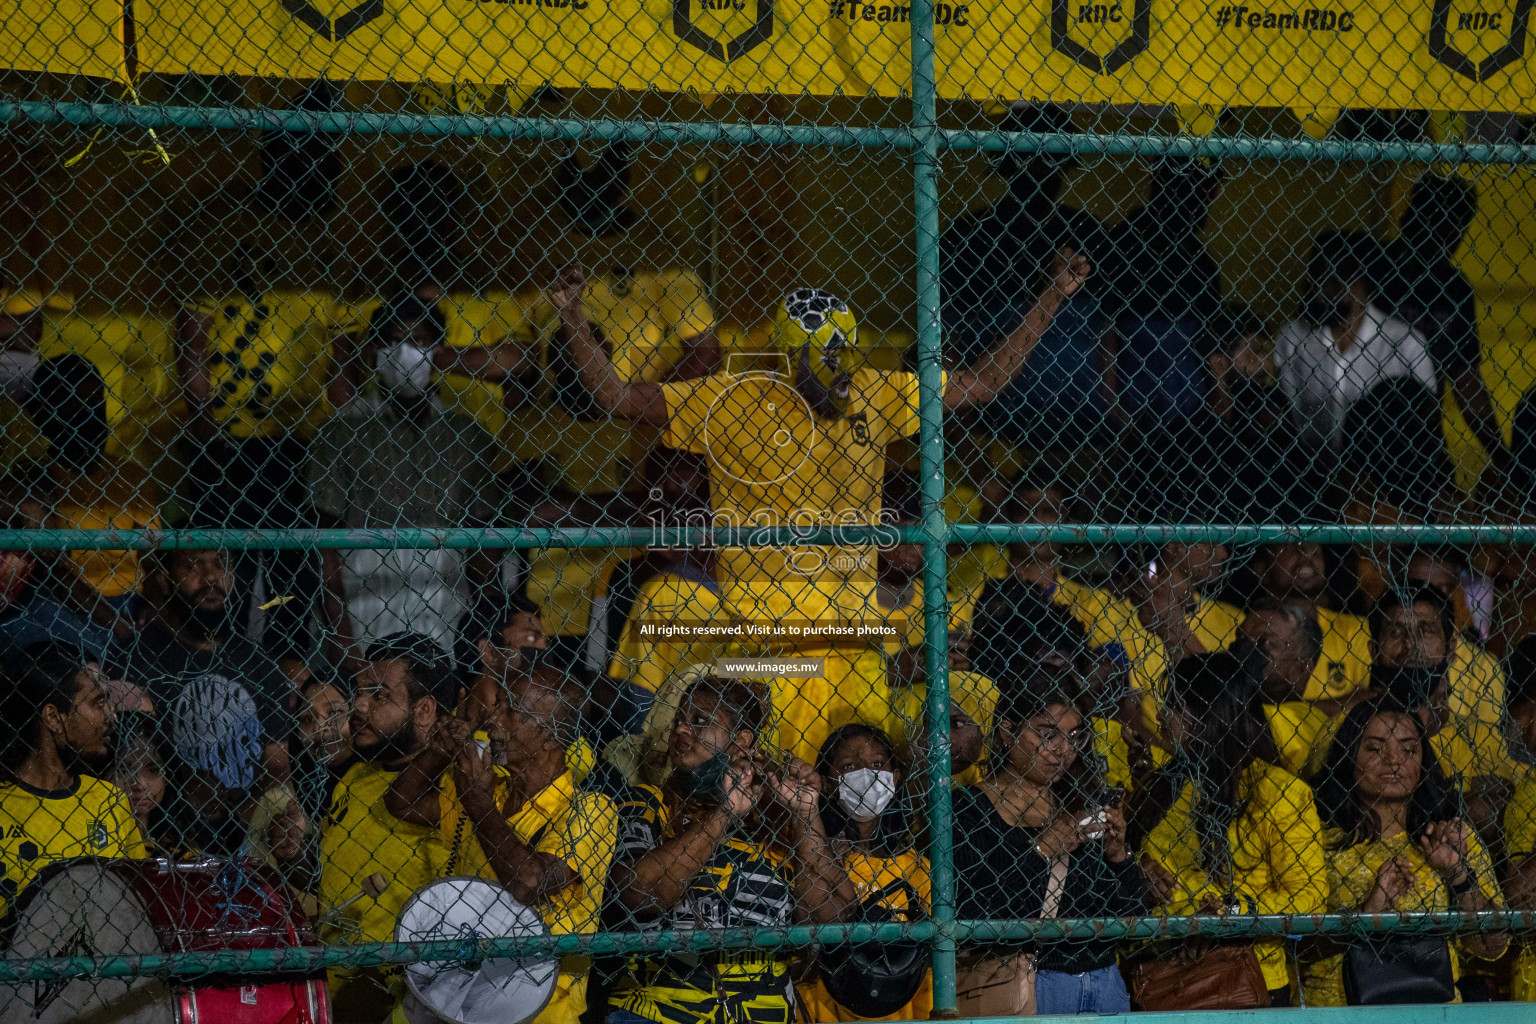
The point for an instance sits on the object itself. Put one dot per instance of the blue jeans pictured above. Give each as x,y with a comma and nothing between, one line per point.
1058,994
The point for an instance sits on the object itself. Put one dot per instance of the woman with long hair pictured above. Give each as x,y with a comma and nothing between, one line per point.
1395,840
861,805
1227,830
58,721
1038,838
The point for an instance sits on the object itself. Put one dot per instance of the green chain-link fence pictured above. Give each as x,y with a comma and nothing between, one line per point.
851,511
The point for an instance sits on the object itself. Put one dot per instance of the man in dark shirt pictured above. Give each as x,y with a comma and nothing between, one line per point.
191,652
995,261
1422,287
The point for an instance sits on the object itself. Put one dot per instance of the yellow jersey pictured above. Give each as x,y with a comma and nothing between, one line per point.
744,884
645,320
39,827
673,596
1277,856
270,359
579,827
1303,735
871,875
1114,622
1469,749
1476,683
1345,664
135,353
1520,843
115,496
1351,877
774,463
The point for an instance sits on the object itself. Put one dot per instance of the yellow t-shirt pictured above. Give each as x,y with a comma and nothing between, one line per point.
1476,683
1303,735
116,496
564,582
1345,664
773,463
673,598
579,827
1115,621
1352,876
1520,843
270,360
1277,856
39,827
871,874
645,321
973,692
1470,748
135,353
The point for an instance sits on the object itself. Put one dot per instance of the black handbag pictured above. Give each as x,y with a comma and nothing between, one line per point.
1399,971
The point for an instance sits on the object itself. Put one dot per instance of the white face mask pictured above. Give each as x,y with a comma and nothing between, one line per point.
406,368
866,793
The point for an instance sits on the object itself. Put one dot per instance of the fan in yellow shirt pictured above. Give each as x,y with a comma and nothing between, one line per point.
370,860
1520,880
1297,574
515,812
797,449
1395,842
55,712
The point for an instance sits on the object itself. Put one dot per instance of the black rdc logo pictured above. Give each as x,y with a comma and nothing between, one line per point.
1135,15
1440,28
337,28
722,49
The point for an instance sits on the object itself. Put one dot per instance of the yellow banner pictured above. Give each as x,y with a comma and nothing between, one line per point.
74,37
1305,54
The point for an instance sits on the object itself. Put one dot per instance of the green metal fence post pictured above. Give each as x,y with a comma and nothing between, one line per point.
925,203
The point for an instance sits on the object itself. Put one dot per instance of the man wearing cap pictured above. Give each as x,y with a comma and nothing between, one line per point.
804,448
512,810
371,861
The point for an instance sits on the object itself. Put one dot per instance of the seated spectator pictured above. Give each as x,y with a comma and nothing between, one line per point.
279,833
394,457
861,804
722,814
1342,345
513,644
1421,286
1394,451
33,606
1226,828
667,584
1297,573
1030,500
1411,650
1394,841
1288,643
530,826
57,724
1036,839
1520,820
1477,678
190,651
371,861
91,490
321,753
138,769
971,704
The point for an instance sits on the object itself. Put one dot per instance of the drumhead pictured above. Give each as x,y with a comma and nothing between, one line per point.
502,991
83,908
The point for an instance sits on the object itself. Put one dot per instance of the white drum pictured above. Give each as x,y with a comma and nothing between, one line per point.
500,991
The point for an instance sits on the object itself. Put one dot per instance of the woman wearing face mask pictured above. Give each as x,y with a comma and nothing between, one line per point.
1227,830
726,841
57,721
1037,840
861,783
1395,843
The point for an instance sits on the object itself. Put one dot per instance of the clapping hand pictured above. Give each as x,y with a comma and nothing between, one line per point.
1393,879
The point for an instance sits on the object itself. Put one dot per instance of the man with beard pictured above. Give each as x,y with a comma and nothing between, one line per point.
191,653
370,861
1296,573
1413,645
58,721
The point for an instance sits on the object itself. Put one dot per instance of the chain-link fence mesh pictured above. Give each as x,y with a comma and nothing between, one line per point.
709,512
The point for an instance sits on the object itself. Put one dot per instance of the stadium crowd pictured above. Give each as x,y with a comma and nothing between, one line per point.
1190,728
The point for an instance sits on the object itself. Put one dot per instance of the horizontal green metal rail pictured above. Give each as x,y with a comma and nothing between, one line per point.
633,536
1447,1013
316,958
836,136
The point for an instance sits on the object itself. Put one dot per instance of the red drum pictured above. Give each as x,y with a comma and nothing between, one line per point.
95,907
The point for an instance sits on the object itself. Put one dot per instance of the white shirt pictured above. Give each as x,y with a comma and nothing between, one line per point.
1321,381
